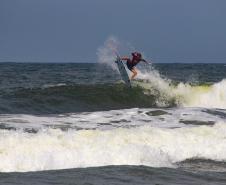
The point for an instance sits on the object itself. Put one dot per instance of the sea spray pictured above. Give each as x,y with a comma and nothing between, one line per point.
107,53
112,47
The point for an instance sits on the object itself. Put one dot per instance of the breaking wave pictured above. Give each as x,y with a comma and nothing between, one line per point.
150,90
183,94
157,147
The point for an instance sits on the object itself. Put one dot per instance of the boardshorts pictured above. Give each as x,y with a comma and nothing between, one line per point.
130,65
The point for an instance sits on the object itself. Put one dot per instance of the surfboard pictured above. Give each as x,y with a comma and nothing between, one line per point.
123,72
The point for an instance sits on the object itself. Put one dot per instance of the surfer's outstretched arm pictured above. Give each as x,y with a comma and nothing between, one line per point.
125,58
144,61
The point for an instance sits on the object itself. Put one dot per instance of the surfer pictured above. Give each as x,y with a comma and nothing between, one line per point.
131,63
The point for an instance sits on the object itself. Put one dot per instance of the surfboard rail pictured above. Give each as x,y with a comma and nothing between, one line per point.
123,72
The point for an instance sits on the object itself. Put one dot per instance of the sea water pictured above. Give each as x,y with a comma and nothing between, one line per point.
80,124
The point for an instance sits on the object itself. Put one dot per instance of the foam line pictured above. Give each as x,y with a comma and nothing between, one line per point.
156,147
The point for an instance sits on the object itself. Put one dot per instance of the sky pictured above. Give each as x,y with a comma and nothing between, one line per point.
73,30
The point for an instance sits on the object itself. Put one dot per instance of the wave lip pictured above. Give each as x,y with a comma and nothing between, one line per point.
213,96
156,147
183,94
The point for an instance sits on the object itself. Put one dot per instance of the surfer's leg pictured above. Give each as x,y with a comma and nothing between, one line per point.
134,73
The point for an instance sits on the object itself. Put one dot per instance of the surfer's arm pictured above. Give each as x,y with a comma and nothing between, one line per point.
144,61
124,58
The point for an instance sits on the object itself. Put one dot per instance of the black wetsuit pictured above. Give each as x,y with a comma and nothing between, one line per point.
131,63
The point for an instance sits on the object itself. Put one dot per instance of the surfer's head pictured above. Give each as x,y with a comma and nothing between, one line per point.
137,55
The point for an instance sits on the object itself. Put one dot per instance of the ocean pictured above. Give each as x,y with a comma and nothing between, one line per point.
78,123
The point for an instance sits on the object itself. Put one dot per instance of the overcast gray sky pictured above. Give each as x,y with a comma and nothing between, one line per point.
72,30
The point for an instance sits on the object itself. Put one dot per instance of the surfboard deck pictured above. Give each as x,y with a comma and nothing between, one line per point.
123,72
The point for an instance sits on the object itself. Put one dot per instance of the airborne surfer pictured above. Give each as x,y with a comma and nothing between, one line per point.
131,63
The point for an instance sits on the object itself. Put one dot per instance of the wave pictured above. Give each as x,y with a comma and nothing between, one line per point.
156,147
144,94
166,93
75,98
150,90
183,94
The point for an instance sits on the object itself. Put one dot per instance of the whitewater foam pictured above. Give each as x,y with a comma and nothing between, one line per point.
156,147
184,94
105,120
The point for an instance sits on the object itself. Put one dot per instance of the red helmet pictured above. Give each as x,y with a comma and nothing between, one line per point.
137,55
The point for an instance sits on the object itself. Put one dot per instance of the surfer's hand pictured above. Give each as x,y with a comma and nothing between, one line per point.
147,62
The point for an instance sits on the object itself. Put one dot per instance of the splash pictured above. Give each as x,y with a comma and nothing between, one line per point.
183,94
111,48
107,53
